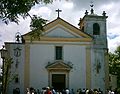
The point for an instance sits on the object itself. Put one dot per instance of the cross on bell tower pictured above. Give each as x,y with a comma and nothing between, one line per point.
58,10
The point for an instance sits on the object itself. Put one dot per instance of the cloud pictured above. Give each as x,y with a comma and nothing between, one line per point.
41,11
68,5
113,44
72,11
85,3
8,32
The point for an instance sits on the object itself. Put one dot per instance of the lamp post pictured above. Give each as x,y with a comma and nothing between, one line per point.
3,56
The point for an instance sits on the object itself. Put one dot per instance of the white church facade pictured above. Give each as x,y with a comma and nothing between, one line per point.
64,57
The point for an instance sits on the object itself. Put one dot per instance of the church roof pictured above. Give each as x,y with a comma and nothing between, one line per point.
61,24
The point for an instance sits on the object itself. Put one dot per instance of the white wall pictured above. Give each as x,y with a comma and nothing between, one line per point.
41,54
77,55
98,79
19,70
39,57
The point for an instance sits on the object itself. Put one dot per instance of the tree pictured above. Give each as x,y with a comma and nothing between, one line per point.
114,64
7,74
36,26
10,10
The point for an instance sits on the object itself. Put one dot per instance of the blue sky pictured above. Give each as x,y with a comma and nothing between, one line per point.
72,11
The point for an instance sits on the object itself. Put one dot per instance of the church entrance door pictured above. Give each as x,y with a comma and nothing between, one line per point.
58,81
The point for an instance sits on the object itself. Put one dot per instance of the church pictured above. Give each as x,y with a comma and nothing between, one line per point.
64,57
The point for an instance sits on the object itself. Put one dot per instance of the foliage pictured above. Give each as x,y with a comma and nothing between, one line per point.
6,74
0,78
114,64
36,26
36,23
10,10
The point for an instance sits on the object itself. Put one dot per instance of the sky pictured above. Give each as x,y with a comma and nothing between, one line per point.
72,11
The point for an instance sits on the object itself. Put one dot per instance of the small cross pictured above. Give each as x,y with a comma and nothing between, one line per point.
58,12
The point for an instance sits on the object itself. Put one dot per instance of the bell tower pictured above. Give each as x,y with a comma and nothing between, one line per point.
95,25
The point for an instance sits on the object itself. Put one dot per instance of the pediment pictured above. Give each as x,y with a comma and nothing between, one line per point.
62,31
66,26
58,65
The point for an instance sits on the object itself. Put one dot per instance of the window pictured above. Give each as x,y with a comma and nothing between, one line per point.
58,52
16,79
110,78
96,29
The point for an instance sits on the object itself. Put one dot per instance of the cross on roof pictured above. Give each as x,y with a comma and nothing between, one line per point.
58,10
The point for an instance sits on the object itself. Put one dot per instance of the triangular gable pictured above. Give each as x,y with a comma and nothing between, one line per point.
74,34
67,26
60,32
58,65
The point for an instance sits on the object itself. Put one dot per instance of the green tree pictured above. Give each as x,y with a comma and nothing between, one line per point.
0,78
36,26
6,74
11,10
114,64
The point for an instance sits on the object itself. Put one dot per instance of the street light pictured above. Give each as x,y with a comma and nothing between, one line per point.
3,52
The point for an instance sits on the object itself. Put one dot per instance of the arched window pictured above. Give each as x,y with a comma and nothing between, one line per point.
96,29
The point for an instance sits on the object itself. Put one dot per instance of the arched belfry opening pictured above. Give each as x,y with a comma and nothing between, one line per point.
96,29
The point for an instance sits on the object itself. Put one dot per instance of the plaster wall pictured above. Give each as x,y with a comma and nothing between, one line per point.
16,71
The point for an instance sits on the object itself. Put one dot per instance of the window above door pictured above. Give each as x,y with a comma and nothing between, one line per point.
58,52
